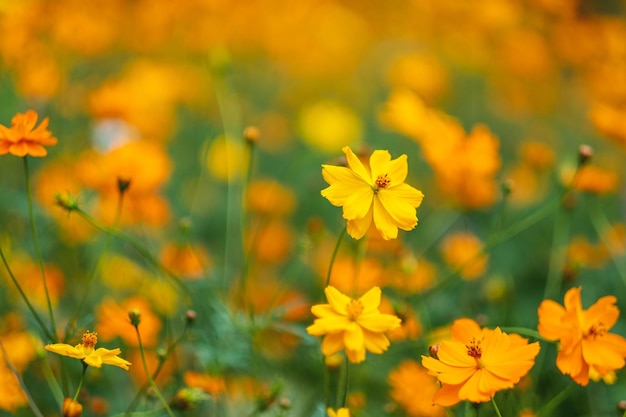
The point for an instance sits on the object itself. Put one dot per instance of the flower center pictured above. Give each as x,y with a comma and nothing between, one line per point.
90,339
473,349
382,182
598,329
354,308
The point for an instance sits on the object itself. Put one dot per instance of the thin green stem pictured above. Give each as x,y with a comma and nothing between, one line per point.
547,409
135,245
157,371
16,374
346,384
31,217
524,332
334,255
153,384
82,379
495,406
72,321
52,382
38,319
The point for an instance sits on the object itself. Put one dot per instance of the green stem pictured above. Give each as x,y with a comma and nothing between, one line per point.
135,245
72,322
601,224
31,217
82,379
346,384
16,374
157,371
38,319
558,255
547,409
495,406
523,331
153,384
332,259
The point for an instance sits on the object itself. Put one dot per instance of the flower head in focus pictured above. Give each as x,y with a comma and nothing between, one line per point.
354,325
373,193
586,346
86,352
23,138
477,363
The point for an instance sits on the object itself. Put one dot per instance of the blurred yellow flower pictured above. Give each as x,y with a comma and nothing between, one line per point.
477,363
353,325
413,389
23,138
327,125
87,353
227,159
586,346
374,193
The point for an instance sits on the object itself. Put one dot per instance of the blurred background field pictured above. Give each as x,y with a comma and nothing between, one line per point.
490,100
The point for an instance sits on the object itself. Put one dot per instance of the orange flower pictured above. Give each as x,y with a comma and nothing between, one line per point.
23,138
208,383
462,251
586,345
412,388
477,363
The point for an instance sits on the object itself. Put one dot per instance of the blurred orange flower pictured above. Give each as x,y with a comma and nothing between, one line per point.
373,194
112,321
208,383
185,260
353,325
23,138
477,363
463,251
413,389
586,346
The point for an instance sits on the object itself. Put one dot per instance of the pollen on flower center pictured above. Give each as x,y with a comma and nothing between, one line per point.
90,339
597,329
354,308
473,349
382,181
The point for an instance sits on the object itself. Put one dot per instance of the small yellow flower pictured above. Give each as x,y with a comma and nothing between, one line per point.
354,325
376,192
86,352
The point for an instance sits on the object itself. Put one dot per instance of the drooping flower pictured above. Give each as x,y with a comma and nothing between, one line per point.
353,325
23,138
586,346
87,353
477,363
373,193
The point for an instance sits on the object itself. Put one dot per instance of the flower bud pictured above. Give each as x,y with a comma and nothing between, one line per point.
190,317
433,351
135,316
251,134
585,152
66,201
71,408
123,184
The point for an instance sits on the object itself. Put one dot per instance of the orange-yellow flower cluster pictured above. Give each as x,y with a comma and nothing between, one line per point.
586,346
477,363
353,325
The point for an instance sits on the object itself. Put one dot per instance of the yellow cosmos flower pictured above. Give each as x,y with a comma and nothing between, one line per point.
85,351
23,138
477,363
587,348
374,192
353,325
